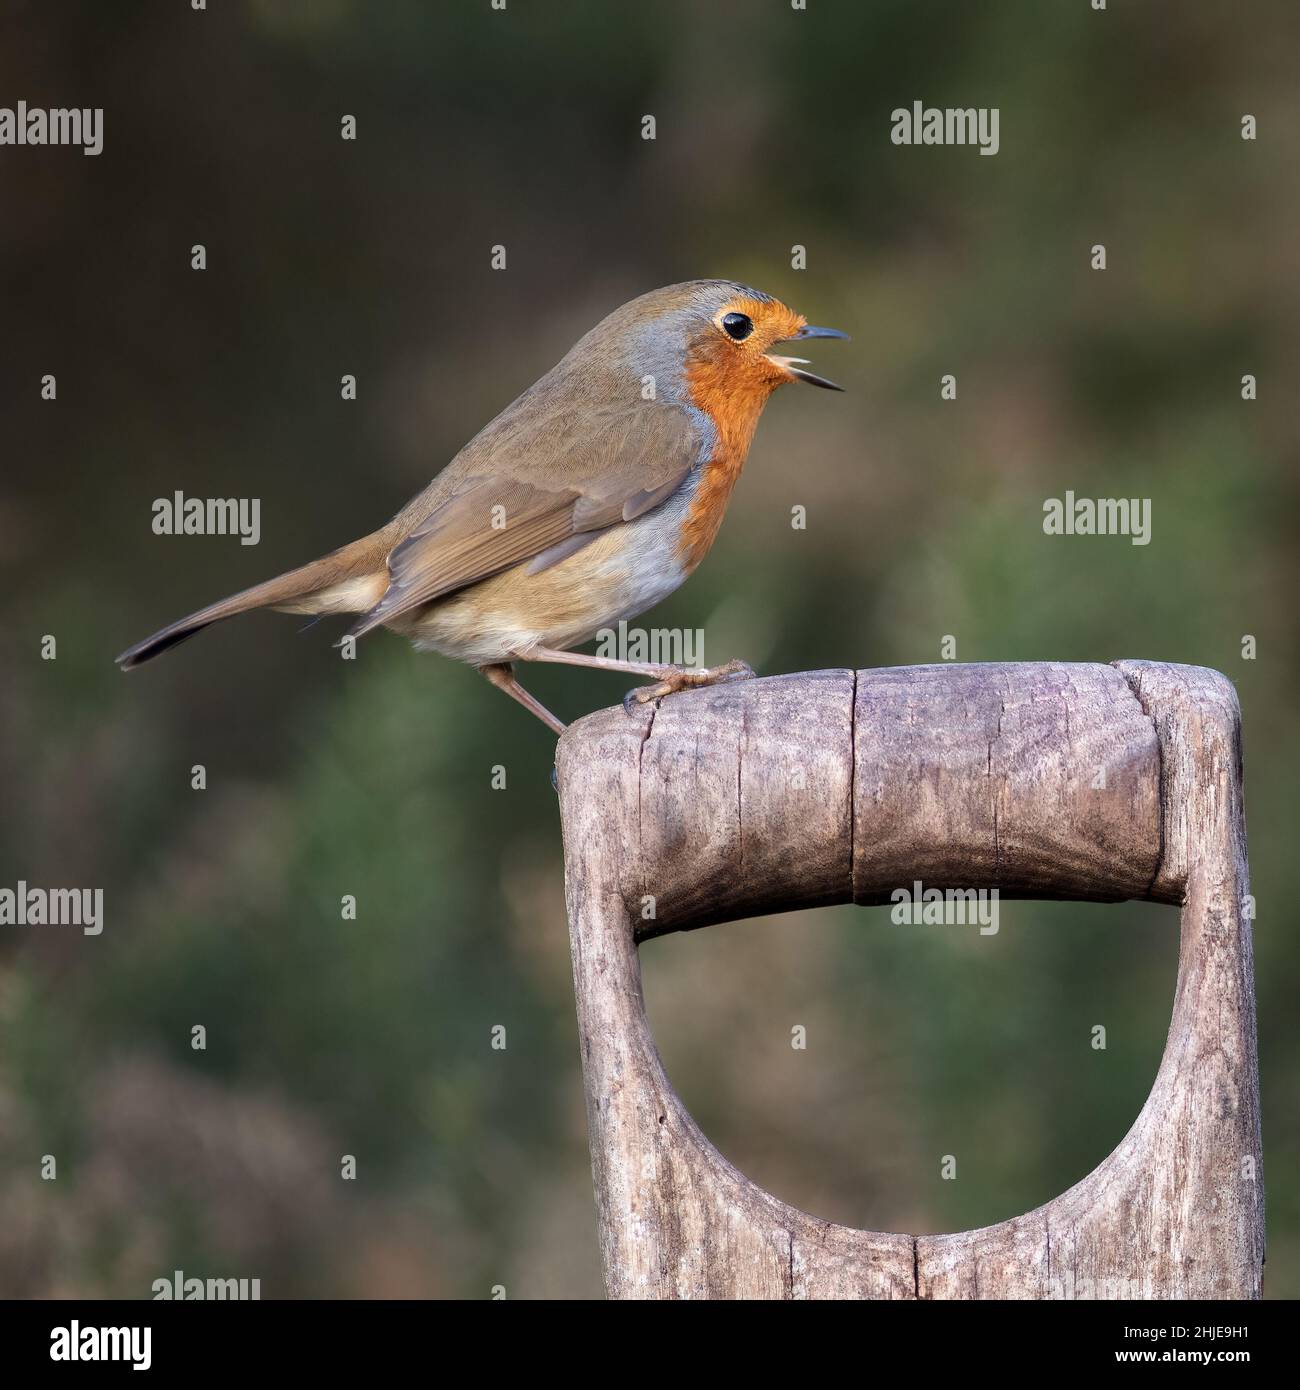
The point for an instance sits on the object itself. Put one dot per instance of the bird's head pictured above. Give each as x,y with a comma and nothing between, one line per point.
733,339
703,342
730,362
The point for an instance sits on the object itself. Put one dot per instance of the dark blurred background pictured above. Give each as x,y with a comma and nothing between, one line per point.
373,778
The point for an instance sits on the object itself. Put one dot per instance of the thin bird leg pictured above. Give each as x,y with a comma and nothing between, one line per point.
599,663
502,675
668,679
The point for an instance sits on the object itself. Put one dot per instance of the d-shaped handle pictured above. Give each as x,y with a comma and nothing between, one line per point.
1040,780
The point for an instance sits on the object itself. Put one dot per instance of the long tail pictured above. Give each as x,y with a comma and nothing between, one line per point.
349,580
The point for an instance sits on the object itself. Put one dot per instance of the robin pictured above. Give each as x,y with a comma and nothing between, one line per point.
586,501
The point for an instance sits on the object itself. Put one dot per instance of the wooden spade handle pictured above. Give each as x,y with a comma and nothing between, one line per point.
1041,780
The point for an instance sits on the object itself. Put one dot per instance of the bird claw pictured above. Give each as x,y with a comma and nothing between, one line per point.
734,670
645,694
677,678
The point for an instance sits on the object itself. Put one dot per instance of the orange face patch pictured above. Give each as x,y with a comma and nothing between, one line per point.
731,382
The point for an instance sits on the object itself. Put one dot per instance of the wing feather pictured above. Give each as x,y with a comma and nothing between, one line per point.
531,491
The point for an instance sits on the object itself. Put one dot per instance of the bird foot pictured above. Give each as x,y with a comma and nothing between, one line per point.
675,678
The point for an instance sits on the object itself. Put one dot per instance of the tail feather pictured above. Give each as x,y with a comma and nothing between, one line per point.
304,590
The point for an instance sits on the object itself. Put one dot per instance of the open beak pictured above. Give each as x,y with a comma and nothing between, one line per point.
794,365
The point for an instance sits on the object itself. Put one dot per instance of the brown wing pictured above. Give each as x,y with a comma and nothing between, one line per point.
571,474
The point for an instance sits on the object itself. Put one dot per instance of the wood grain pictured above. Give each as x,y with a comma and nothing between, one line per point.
1040,780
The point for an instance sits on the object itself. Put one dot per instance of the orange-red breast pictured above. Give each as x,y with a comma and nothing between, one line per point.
586,501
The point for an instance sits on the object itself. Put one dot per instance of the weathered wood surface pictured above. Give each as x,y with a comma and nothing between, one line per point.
1041,780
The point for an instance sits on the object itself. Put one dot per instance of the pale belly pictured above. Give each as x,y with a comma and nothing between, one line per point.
618,576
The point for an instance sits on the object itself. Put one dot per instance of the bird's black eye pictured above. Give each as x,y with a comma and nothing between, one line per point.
737,326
